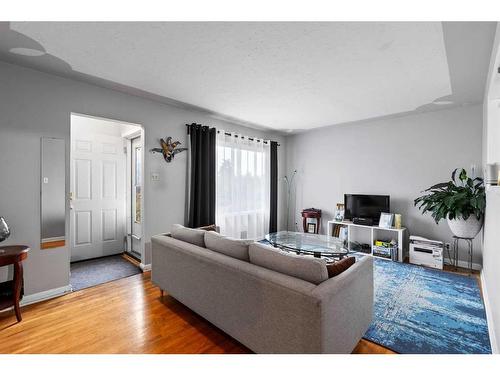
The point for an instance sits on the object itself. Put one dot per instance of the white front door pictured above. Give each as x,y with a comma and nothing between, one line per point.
97,195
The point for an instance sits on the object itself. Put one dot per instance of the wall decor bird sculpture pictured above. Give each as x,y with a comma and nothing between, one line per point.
168,149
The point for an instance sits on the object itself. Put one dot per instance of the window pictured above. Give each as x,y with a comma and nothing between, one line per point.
242,186
137,183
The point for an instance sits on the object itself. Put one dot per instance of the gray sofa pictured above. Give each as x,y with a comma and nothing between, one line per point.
265,310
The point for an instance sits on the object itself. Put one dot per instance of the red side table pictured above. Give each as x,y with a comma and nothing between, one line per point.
311,213
13,255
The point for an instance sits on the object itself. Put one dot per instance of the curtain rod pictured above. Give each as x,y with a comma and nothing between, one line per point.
242,137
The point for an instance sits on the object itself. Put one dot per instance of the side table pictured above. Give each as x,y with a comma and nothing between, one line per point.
470,251
12,294
311,213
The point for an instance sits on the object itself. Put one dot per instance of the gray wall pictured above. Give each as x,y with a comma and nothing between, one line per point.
398,156
34,105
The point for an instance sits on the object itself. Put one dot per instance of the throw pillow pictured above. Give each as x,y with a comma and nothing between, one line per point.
340,266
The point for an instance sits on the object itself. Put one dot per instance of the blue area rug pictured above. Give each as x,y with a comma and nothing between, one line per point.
99,271
421,310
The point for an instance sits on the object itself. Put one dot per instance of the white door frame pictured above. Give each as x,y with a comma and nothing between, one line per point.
130,137
139,132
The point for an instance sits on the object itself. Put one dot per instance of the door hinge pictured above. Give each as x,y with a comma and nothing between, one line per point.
125,149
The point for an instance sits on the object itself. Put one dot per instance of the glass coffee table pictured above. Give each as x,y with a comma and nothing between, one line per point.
320,246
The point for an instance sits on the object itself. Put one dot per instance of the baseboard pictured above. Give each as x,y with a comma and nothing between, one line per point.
53,239
145,267
465,264
47,294
489,317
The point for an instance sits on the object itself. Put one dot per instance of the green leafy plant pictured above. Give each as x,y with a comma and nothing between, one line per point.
455,199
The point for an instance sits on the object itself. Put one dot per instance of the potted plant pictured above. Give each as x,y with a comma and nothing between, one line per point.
461,203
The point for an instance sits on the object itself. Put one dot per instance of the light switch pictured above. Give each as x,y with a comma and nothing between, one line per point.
155,176
45,180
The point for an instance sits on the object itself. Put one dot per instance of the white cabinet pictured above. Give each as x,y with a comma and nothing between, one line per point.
364,233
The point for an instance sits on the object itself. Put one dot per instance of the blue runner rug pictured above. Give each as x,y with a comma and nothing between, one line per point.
421,310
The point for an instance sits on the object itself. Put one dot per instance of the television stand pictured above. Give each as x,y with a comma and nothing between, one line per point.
374,233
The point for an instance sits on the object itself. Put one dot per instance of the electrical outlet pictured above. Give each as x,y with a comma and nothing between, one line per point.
447,246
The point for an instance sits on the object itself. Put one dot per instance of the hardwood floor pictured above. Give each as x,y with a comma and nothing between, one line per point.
52,244
122,316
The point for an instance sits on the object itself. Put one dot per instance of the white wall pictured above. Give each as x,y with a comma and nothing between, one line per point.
493,131
491,154
491,264
399,157
35,104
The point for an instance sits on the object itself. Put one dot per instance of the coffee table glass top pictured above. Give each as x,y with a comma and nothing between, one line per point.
316,244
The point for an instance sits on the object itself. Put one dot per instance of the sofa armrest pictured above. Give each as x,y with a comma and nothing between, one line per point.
346,306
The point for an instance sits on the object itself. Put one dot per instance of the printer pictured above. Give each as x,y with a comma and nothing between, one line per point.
426,252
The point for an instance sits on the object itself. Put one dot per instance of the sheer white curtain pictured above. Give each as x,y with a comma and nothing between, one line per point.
242,186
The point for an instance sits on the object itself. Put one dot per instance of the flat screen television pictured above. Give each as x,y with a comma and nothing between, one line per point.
365,206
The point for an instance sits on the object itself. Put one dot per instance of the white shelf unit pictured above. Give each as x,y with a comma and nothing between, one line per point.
375,233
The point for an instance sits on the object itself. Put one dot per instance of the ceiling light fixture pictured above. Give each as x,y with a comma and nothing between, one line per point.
26,51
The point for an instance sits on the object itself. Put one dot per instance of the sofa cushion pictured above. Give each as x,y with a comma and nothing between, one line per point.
301,266
340,266
193,236
228,246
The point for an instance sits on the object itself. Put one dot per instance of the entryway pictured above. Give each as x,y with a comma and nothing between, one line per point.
106,195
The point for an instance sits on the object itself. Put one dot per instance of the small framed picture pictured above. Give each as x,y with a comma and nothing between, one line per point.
339,212
311,228
386,220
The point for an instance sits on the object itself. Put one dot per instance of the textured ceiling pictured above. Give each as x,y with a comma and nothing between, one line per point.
284,76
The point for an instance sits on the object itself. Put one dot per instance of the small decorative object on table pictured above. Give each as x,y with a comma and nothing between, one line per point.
397,221
386,220
4,229
311,213
311,228
168,149
339,212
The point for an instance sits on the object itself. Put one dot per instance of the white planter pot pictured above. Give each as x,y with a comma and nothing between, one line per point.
465,228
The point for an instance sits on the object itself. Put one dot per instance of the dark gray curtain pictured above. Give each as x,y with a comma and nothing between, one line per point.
202,176
273,214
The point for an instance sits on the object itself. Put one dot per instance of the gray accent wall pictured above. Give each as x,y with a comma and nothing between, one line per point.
34,105
397,156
